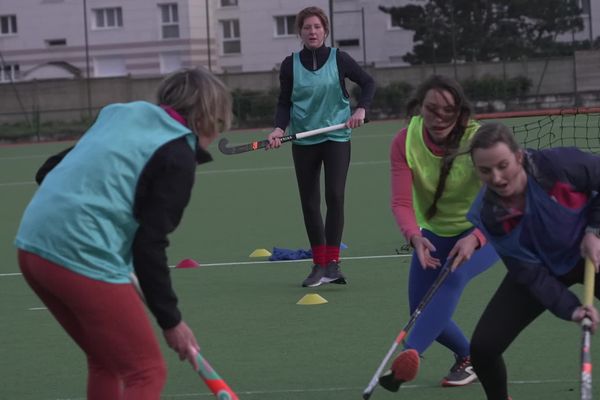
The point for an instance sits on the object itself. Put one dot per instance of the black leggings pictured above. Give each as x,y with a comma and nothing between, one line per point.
335,157
511,309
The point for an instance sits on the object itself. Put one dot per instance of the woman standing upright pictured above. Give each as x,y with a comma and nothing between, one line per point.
313,95
432,189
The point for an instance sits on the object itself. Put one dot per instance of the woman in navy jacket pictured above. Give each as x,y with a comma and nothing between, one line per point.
541,212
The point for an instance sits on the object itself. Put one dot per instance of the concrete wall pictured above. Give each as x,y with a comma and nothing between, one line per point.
588,70
68,98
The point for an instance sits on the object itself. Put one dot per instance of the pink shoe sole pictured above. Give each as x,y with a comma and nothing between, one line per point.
406,366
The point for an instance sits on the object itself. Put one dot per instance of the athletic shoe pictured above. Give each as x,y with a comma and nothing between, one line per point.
314,278
404,369
333,274
461,373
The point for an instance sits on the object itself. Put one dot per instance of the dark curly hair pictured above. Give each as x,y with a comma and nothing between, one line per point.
463,114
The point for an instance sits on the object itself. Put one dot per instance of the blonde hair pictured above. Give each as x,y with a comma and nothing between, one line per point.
199,97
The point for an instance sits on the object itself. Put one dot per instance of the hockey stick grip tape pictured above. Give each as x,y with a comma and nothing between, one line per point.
589,278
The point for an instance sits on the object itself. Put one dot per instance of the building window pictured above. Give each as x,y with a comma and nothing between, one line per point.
229,3
169,18
108,18
348,43
585,7
170,62
109,66
284,25
395,22
9,72
8,25
231,36
56,42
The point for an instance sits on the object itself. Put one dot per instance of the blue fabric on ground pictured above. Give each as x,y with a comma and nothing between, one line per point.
279,254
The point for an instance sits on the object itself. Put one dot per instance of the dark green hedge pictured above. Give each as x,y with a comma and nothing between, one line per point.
257,108
492,88
254,108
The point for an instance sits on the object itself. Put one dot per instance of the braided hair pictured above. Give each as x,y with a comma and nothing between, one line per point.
452,141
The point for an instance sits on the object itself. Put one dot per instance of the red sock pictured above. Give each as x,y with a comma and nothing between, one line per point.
319,254
332,254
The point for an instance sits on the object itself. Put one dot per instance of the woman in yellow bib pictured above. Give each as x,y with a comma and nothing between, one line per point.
432,189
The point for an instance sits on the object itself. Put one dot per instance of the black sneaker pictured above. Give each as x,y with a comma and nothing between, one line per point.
314,278
461,373
404,368
333,274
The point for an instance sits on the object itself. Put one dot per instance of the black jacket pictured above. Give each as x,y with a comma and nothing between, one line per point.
313,60
162,193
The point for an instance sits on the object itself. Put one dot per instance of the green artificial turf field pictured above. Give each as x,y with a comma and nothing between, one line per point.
243,310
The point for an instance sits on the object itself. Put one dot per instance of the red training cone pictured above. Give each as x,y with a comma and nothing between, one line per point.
187,263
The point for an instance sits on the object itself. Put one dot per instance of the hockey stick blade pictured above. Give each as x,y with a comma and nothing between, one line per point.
441,278
211,378
242,148
213,381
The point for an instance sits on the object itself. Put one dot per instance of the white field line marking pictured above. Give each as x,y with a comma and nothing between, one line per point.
227,171
337,389
17,183
279,168
291,261
355,136
24,157
225,264
249,263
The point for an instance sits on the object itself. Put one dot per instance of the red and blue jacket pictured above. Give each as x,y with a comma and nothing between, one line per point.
540,243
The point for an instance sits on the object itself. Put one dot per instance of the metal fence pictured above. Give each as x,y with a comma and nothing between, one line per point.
65,107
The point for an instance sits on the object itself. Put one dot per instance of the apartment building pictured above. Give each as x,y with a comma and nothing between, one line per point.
69,38
62,38
266,33
99,38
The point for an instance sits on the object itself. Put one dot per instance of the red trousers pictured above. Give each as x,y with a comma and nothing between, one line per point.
109,323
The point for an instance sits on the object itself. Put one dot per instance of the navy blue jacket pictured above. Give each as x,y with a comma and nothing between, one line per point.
571,177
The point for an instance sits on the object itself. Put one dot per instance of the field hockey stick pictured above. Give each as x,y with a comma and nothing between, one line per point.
211,378
215,383
413,318
586,326
261,144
